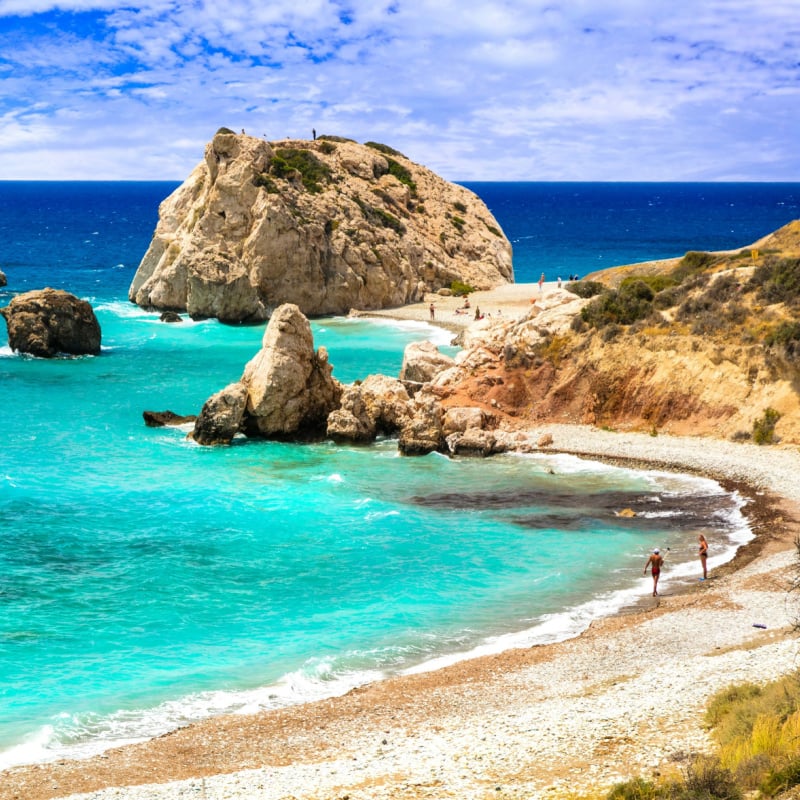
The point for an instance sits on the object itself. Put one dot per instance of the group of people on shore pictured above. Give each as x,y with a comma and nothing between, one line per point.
656,561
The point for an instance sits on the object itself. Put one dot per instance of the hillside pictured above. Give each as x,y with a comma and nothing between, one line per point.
707,344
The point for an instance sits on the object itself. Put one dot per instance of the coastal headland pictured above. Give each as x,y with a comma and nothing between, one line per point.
624,698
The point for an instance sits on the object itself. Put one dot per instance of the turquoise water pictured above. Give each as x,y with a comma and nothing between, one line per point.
146,582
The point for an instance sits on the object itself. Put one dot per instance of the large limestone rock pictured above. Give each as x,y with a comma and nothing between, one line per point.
290,389
48,322
3,279
328,226
379,405
422,362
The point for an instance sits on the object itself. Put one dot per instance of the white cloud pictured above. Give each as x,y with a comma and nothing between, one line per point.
522,89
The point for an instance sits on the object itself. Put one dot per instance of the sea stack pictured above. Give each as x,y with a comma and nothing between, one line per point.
328,225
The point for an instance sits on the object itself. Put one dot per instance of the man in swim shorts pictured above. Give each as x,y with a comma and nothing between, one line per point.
654,562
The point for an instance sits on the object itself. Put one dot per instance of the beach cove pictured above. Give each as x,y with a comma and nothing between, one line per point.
624,698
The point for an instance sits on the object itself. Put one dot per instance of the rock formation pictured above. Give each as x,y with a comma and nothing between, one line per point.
289,386
3,279
161,419
48,322
422,361
327,225
287,389
221,417
379,405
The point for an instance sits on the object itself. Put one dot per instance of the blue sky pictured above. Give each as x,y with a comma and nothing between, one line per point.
502,90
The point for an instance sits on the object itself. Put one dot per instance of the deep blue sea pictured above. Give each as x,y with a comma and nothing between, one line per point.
146,582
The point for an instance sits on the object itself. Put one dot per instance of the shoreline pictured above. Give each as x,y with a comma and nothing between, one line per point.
435,734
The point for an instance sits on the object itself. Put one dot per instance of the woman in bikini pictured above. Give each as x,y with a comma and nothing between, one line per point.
703,554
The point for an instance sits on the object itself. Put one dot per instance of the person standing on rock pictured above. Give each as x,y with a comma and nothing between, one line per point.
703,555
433,311
654,562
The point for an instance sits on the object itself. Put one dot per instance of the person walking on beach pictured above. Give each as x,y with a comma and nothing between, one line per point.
654,562
541,282
703,555
433,311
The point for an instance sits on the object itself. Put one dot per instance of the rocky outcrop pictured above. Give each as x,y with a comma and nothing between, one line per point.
3,279
49,322
327,226
287,389
422,362
221,417
378,406
290,388
161,419
422,434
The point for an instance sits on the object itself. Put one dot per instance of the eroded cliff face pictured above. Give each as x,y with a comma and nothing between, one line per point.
327,225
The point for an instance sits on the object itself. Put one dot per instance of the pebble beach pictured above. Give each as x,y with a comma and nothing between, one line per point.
624,698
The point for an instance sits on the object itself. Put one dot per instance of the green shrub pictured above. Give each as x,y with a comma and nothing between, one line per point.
778,280
693,263
459,206
402,174
622,307
458,222
313,172
223,131
264,181
492,229
669,298
786,333
329,138
634,789
764,428
585,289
380,217
384,148
327,147
458,288
707,779
656,282
779,780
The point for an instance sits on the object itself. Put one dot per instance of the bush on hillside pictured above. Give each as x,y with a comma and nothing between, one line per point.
778,280
586,289
312,171
622,307
384,148
764,428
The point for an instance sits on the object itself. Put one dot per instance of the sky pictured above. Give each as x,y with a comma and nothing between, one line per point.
543,90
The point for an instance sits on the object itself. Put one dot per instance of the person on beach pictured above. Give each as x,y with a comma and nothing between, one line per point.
654,562
703,555
541,282
433,311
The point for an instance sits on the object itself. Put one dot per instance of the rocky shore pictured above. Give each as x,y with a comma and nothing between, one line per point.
625,698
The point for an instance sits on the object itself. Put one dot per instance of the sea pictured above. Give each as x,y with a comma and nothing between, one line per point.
147,582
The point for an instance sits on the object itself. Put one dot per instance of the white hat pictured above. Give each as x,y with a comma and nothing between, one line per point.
656,551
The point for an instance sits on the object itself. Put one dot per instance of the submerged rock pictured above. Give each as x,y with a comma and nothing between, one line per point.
48,322
327,226
161,419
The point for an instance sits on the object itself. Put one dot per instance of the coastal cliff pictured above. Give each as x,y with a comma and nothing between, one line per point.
328,225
